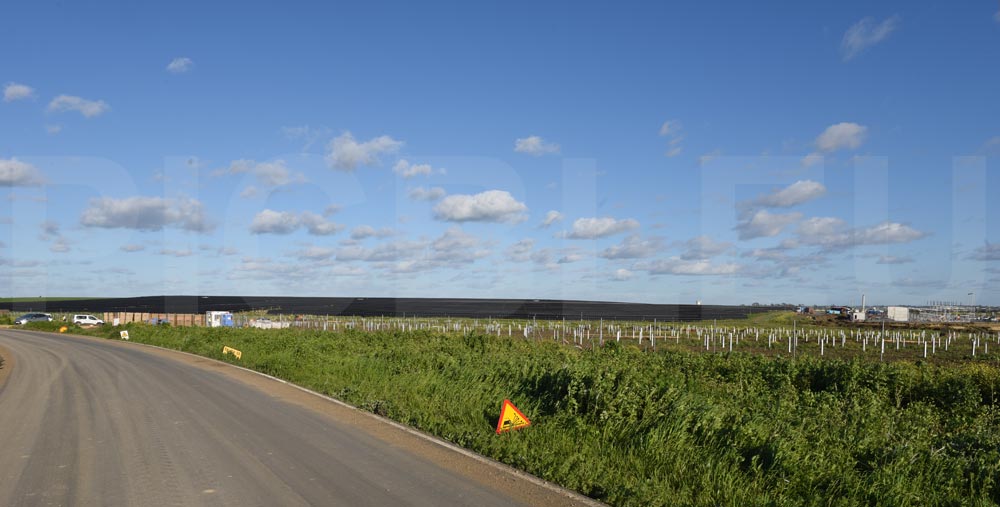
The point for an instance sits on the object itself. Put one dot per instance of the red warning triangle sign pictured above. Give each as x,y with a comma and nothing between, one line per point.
511,418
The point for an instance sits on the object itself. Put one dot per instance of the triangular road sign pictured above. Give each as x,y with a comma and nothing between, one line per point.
511,418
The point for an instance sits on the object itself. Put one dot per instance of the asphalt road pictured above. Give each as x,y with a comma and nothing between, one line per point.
93,422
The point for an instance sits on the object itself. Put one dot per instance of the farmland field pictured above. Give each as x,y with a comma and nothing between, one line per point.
678,426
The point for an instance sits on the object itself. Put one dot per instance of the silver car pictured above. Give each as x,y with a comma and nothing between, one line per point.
33,317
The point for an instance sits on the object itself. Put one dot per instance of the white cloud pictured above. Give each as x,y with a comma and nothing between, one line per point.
521,251
367,231
346,154
800,192
15,91
671,129
249,192
570,258
315,253
551,217
275,222
833,233
996,17
762,224
393,251
408,170
272,174
146,214
286,222
892,259
14,173
176,253
677,266
593,228
621,275
633,247
811,160
488,206
180,65
535,146
426,194
53,129
456,246
840,136
887,232
317,225
88,108
987,252
331,210
866,33
704,247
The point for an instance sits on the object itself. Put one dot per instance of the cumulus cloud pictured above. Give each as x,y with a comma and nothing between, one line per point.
762,224
315,253
408,170
146,214
393,251
15,91
367,231
633,247
800,192
275,222
987,252
678,266
844,135
621,274
892,259
457,246
180,65
535,146
88,108
286,222
833,233
703,247
272,174
521,251
176,253
426,194
570,258
317,225
488,206
14,173
865,34
601,227
344,153
551,217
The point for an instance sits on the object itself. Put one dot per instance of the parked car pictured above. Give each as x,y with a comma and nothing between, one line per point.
33,317
87,320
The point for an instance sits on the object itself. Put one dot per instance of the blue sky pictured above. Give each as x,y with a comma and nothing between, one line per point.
722,152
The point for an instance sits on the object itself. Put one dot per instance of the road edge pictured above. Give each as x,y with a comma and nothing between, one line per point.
427,437
8,365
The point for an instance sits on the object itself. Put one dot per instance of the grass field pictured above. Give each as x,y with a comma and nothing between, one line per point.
675,427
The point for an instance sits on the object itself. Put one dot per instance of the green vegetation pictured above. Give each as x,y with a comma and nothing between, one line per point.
675,427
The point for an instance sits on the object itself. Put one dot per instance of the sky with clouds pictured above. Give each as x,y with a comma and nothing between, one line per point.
698,151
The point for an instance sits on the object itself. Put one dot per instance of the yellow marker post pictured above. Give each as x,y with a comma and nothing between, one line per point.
63,329
511,418
230,350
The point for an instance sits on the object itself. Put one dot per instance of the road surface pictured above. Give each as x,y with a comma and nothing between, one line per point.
95,422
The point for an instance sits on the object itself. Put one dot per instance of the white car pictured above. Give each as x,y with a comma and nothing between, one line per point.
87,320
